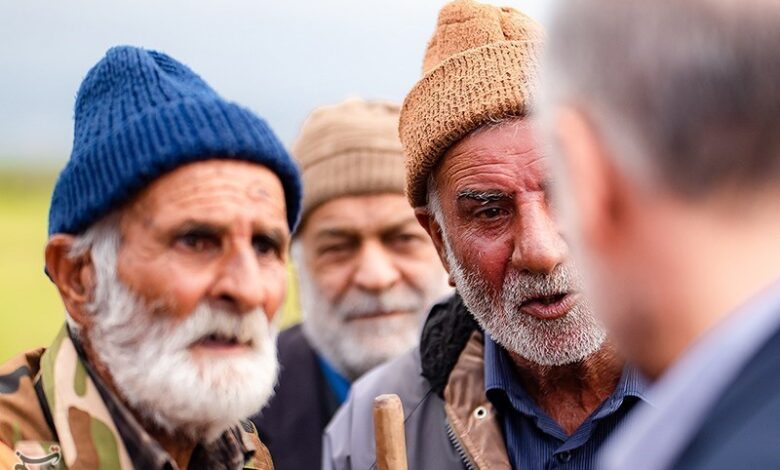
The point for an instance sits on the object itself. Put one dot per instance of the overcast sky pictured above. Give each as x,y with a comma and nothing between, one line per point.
279,58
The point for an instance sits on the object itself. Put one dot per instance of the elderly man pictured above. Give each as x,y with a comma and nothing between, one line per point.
368,273
169,229
667,118
532,383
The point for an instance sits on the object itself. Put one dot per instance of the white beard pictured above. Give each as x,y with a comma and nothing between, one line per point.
560,341
357,346
147,355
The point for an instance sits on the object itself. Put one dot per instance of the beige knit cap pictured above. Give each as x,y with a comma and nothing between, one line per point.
347,149
481,64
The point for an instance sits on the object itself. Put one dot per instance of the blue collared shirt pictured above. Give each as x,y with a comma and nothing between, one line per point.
536,441
338,384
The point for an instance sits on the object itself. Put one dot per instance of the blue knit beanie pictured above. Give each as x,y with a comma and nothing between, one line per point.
140,114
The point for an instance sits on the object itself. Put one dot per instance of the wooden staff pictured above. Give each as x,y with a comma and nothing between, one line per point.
389,433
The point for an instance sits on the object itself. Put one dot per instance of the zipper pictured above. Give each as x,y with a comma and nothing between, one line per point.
464,456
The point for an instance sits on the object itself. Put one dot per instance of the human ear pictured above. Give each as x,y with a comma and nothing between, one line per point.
429,223
73,276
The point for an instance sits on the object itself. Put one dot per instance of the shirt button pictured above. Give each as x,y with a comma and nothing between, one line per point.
563,457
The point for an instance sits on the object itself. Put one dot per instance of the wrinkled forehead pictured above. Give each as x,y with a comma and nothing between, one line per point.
507,156
212,188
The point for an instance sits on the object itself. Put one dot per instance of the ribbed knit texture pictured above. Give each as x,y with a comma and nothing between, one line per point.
481,64
349,149
140,114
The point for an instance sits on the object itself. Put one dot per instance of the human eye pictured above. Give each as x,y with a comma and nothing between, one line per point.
490,213
334,248
197,240
403,239
266,245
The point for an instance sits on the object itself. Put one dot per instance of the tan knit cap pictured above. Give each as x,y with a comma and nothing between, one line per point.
481,64
347,149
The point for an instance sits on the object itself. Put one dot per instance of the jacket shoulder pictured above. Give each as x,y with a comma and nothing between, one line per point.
741,429
21,416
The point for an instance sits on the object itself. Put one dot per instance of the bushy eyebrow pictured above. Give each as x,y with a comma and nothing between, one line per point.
335,233
191,225
338,232
483,197
219,229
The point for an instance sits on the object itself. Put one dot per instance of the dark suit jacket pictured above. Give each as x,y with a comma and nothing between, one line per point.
743,428
292,423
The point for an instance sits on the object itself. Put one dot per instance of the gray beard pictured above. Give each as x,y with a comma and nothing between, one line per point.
556,342
355,347
147,355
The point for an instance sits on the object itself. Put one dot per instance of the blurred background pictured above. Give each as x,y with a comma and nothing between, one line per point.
280,59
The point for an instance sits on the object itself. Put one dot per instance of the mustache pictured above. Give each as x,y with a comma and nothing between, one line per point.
358,304
251,327
520,287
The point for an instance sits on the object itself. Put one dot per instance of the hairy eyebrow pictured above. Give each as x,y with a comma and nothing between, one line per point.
335,233
483,196
219,229
348,232
191,225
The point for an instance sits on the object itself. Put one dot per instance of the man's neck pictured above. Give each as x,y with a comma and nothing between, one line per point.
569,394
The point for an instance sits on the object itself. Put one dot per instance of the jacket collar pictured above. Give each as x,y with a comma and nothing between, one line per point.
84,427
470,414
446,332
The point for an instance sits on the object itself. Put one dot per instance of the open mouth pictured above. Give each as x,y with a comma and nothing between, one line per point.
549,307
220,341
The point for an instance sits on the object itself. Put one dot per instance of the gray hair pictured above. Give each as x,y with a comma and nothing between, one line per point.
101,242
685,92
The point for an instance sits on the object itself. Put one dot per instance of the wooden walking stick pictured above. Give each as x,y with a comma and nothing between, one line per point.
389,433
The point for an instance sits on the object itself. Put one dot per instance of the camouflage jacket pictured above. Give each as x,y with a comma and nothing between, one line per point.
53,413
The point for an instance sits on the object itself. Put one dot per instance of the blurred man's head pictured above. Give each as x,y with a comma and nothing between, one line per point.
666,115
477,178
368,272
171,263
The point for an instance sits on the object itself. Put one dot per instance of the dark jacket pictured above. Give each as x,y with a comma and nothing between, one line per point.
292,423
743,428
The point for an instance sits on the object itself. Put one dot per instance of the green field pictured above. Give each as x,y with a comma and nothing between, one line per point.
30,307
29,303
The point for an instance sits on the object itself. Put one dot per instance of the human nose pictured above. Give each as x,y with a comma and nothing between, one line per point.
538,247
375,271
239,286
